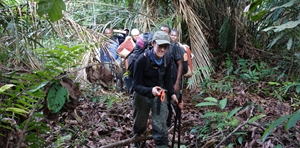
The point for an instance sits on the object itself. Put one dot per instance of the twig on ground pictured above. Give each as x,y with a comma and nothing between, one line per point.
224,139
127,141
136,139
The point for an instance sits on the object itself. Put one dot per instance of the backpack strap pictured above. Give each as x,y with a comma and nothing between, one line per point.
147,55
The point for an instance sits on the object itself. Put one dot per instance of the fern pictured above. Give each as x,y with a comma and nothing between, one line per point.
226,35
23,96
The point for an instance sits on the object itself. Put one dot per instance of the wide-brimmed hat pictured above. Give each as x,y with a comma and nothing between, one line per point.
161,37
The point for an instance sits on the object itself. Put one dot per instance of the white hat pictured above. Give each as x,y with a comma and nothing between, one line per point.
135,32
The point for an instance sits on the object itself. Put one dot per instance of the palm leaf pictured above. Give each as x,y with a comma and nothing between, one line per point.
199,45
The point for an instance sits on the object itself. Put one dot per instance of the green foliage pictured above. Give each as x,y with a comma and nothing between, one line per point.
5,87
56,97
285,90
221,120
277,23
27,91
213,102
290,120
224,85
226,37
110,99
60,142
53,8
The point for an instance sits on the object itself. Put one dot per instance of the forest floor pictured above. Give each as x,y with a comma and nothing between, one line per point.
95,124
104,118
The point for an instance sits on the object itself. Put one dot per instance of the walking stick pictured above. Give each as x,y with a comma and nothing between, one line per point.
177,117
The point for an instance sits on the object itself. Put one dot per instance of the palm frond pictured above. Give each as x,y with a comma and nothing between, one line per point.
226,35
199,45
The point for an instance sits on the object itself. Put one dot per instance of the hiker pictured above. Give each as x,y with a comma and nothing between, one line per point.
174,50
134,35
176,68
109,57
111,44
151,77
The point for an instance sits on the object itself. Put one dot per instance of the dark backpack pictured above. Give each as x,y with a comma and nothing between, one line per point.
161,69
184,58
145,40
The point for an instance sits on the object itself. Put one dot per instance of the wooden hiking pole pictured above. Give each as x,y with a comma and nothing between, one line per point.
177,117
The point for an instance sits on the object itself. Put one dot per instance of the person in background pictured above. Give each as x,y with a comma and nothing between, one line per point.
128,81
175,52
134,34
112,44
149,82
109,58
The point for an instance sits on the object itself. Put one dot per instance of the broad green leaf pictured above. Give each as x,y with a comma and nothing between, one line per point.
59,52
274,83
231,113
17,110
274,125
288,25
5,87
255,118
221,125
259,15
254,5
53,8
293,120
74,48
56,97
260,109
223,103
298,88
206,104
67,48
240,139
211,99
289,4
110,103
211,114
240,133
278,146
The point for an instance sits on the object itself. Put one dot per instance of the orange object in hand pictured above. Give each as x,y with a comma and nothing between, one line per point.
162,95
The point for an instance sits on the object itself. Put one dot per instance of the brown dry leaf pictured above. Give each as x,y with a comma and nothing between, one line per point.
98,74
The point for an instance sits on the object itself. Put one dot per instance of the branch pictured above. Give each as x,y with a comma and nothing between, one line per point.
127,141
136,139
236,128
76,70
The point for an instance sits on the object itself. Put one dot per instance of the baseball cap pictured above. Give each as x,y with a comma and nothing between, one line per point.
135,32
161,37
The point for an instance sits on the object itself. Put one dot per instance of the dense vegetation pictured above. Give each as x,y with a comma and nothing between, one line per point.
244,92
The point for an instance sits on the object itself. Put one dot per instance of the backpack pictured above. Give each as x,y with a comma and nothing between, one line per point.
143,43
184,58
126,47
108,53
187,63
161,69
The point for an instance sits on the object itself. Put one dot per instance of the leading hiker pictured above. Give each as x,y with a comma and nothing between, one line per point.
151,79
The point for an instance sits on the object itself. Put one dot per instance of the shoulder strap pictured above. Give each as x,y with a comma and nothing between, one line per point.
146,54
